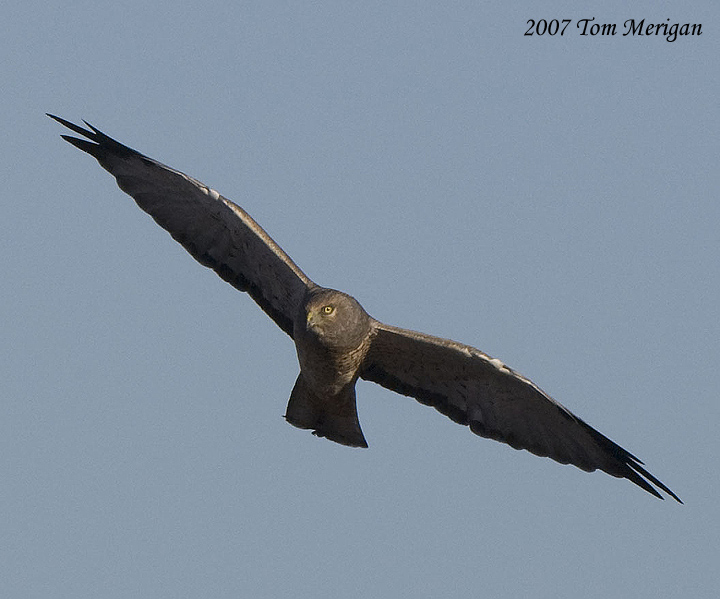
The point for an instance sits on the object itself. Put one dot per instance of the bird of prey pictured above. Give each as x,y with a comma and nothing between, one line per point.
337,342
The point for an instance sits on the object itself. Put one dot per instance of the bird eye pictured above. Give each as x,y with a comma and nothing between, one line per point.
328,309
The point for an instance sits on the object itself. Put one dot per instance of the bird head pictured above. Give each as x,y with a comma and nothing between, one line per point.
334,318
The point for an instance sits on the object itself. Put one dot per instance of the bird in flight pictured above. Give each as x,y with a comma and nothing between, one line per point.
337,342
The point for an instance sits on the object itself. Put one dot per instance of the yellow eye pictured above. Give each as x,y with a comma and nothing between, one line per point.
328,309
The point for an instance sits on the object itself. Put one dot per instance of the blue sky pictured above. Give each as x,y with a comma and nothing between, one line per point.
549,200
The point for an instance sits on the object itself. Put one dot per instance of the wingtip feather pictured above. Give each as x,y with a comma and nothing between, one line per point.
643,474
72,126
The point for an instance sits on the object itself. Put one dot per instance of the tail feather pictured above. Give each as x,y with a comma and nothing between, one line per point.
332,417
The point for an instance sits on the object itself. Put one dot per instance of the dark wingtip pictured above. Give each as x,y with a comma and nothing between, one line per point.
658,484
628,466
99,144
73,127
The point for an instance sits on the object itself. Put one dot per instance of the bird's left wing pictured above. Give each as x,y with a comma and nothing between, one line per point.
217,232
496,402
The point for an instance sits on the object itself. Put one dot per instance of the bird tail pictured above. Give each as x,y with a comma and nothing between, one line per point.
333,417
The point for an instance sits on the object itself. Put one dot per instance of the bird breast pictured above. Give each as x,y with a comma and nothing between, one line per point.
329,370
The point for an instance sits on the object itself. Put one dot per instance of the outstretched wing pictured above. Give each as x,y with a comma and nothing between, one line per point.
218,233
496,402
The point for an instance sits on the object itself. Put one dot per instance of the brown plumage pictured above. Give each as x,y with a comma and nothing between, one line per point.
337,342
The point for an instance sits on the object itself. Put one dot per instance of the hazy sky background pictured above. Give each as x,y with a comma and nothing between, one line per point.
549,200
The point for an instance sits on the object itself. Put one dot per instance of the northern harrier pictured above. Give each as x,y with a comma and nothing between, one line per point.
337,342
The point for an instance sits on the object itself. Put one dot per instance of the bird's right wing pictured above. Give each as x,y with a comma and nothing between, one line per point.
217,233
